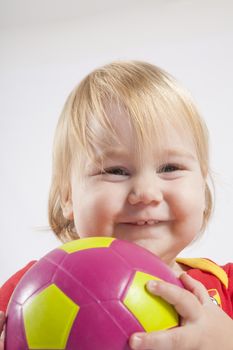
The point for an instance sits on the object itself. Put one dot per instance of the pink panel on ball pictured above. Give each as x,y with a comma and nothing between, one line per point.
15,333
55,256
99,270
94,329
73,287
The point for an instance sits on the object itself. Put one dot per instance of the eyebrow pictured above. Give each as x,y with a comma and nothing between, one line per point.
168,152
179,152
112,152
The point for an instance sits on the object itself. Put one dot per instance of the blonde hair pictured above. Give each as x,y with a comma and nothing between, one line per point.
150,96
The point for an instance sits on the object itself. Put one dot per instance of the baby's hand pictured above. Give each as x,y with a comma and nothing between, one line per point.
2,322
204,325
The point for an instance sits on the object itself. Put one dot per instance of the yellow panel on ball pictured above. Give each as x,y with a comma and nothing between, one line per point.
151,311
87,243
48,319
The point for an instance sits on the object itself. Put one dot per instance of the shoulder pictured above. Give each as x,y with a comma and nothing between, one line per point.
204,266
217,279
9,286
228,268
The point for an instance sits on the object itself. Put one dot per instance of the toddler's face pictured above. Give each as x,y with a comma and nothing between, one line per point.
157,203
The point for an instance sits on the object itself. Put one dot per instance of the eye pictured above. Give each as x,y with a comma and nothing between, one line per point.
116,171
168,168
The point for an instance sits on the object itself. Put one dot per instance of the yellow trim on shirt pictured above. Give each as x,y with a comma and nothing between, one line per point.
206,265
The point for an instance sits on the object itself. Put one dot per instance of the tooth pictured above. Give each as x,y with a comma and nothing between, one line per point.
151,222
141,222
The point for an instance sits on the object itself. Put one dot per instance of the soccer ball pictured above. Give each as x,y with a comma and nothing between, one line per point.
88,294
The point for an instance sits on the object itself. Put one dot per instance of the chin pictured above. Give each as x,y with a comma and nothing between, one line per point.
147,243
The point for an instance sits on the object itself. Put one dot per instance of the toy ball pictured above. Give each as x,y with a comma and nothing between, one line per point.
88,294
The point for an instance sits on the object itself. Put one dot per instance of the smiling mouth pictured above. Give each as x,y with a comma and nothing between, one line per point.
143,222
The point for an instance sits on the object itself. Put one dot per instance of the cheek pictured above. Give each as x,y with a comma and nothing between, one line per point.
96,212
188,200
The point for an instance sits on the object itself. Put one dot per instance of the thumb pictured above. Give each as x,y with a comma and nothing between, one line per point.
176,338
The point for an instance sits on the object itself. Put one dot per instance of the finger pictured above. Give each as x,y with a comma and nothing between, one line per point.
185,303
196,288
2,321
176,338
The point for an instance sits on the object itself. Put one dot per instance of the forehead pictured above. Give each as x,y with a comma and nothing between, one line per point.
125,137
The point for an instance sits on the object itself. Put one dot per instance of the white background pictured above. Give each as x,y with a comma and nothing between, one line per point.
48,46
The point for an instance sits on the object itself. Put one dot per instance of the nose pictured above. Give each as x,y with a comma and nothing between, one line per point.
145,190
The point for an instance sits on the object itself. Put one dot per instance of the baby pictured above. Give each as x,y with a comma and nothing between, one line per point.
131,161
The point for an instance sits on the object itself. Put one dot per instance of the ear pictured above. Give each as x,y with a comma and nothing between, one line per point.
67,210
67,204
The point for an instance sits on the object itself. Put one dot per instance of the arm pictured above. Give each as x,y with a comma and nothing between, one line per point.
204,325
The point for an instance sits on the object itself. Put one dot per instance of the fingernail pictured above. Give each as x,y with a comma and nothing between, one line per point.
136,341
151,285
185,275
